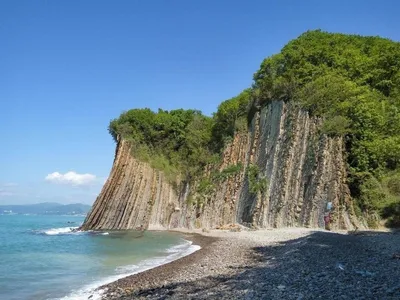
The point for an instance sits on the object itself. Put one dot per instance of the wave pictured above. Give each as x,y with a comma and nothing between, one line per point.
62,230
67,231
172,253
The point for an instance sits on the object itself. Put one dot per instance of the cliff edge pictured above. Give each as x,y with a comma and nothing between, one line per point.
316,138
302,169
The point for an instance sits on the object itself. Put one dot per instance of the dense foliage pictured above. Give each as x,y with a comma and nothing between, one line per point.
175,141
230,117
181,141
351,82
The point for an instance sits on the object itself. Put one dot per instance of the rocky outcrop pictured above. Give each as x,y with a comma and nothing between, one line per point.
303,171
132,196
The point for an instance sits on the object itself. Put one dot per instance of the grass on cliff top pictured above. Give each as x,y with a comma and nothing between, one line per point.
351,82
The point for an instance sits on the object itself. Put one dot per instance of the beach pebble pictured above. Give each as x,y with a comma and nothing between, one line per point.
289,264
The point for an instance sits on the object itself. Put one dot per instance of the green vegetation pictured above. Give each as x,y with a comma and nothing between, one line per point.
229,171
204,190
206,186
175,141
230,118
392,213
353,83
181,141
257,182
349,81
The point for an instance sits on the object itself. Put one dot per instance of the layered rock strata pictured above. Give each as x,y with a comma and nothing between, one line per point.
303,170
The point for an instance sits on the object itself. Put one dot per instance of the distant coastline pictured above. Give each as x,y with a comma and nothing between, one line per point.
46,208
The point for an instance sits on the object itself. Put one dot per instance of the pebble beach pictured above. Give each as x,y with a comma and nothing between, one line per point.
274,264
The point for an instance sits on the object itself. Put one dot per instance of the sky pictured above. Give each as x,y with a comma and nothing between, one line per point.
68,67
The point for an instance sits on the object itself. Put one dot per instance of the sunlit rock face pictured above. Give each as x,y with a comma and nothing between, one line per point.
303,171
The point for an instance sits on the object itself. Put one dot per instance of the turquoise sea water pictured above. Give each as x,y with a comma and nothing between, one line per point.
41,258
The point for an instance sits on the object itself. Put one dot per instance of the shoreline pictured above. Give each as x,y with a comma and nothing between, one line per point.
145,279
294,263
205,261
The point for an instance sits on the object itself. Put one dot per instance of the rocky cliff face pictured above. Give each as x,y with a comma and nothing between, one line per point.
303,171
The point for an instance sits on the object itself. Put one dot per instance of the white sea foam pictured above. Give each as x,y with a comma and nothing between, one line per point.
67,231
172,254
62,230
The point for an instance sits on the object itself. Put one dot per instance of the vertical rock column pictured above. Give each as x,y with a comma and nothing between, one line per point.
304,170
133,196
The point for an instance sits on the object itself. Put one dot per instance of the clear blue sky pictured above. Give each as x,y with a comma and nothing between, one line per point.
68,67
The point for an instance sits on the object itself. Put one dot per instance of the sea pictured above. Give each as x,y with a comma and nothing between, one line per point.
44,257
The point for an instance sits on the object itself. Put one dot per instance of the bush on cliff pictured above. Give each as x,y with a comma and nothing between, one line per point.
351,82
184,140
180,136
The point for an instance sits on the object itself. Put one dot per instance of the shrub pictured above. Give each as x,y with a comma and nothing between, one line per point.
229,171
257,182
392,214
336,126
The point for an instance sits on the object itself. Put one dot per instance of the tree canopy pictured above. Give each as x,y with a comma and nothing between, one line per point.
351,82
181,140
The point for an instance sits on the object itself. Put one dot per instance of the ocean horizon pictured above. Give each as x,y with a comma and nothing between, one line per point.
44,257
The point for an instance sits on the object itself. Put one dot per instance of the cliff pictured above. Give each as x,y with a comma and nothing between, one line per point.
302,168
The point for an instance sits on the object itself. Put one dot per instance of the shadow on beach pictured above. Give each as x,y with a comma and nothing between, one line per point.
322,265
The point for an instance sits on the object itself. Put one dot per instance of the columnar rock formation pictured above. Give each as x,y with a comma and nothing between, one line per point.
304,170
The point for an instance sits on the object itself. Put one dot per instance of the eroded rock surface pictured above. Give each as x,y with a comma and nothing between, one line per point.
304,170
